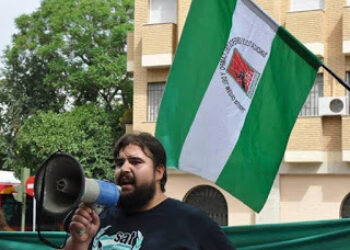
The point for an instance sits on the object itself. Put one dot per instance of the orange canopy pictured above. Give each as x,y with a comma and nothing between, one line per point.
7,189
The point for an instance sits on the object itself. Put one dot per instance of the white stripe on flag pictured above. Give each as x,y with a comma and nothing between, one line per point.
218,122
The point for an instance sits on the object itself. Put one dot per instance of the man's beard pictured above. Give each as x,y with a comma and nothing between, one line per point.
138,198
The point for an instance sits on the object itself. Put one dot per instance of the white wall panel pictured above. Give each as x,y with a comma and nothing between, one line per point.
303,5
163,11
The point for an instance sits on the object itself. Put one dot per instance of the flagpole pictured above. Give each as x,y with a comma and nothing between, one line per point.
336,77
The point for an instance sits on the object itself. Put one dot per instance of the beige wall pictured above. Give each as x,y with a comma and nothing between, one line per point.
140,122
306,134
180,183
144,75
334,57
140,73
307,26
347,61
163,34
345,132
346,23
319,133
183,7
314,178
312,197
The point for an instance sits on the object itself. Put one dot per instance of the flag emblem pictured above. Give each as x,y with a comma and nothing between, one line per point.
243,74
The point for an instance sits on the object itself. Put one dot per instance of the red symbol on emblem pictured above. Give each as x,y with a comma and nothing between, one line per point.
241,71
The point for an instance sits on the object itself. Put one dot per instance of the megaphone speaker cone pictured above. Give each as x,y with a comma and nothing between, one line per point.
59,184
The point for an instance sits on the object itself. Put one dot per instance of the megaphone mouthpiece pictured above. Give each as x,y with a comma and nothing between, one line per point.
100,192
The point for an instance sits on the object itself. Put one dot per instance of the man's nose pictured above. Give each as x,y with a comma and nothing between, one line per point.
126,167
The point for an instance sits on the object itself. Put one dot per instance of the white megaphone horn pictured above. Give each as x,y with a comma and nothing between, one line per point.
60,185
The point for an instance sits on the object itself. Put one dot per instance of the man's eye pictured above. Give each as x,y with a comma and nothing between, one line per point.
134,161
119,163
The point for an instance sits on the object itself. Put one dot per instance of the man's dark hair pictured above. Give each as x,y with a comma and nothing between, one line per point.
146,142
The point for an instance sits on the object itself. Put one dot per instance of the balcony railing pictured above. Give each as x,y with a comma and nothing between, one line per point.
309,28
346,30
130,52
158,44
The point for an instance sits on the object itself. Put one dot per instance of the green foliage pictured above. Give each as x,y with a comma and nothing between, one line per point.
2,151
68,53
6,155
75,47
126,118
84,132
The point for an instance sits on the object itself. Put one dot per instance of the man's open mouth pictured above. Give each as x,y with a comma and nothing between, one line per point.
125,179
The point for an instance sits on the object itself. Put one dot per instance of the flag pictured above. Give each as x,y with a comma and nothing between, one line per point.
233,94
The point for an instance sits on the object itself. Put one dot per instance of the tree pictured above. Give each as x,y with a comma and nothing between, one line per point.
85,133
78,46
67,53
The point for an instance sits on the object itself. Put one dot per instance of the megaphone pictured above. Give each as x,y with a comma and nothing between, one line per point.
60,185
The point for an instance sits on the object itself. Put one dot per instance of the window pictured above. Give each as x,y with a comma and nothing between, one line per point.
155,93
345,207
211,201
348,2
310,107
163,11
302,5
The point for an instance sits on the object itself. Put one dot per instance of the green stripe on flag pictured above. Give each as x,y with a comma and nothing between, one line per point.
281,93
299,48
219,132
208,23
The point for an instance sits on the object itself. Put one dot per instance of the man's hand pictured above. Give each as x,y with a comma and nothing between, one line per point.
84,225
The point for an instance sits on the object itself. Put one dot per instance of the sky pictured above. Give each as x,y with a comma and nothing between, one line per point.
9,10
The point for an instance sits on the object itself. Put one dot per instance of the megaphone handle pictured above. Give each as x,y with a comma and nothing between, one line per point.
98,209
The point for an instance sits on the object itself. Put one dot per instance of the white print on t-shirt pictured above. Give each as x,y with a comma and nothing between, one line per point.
119,241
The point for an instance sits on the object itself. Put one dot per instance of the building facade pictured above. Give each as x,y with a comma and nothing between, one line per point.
314,178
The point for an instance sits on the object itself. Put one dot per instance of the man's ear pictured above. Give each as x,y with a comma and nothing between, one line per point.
159,172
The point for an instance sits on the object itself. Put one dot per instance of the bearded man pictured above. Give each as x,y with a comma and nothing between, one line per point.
144,218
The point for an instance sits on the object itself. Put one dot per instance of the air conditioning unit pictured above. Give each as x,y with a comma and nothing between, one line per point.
335,105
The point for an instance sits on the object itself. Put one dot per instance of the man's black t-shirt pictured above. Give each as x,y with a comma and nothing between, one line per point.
170,225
